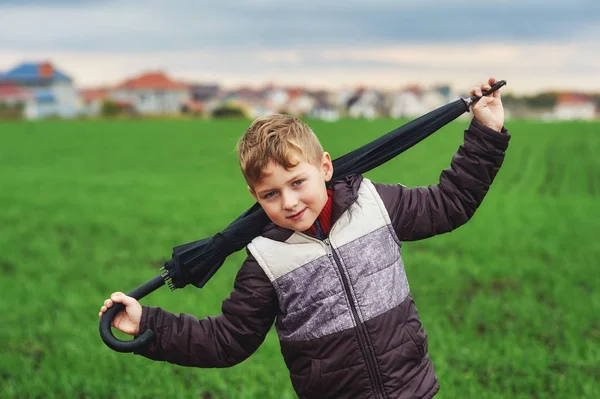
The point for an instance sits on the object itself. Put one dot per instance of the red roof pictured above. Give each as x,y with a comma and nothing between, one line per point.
153,81
573,98
95,94
295,92
414,89
11,90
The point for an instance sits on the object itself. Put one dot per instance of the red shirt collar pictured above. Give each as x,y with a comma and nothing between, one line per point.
324,218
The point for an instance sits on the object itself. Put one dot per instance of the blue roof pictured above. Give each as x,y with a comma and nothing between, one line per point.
29,72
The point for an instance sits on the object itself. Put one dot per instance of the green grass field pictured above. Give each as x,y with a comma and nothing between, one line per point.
510,301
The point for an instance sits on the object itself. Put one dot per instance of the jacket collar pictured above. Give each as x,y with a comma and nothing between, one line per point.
345,193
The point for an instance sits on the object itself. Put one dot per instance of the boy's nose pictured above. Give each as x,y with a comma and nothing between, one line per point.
290,202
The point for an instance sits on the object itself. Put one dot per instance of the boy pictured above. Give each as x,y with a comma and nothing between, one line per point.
329,268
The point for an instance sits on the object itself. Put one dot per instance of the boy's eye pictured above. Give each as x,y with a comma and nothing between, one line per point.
269,195
298,182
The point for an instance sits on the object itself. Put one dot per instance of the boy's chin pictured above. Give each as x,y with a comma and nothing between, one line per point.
300,226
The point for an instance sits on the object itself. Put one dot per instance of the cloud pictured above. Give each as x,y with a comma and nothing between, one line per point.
534,44
192,25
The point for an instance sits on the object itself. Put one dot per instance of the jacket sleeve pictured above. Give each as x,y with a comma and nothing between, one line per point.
423,212
216,341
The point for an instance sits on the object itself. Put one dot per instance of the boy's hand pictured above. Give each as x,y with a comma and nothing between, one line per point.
127,320
488,110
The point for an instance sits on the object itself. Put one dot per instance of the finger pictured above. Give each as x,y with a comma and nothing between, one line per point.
491,82
475,91
486,87
108,303
103,309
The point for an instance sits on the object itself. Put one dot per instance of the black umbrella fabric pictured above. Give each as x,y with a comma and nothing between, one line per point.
196,262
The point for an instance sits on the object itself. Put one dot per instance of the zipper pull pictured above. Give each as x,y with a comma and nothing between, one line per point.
328,247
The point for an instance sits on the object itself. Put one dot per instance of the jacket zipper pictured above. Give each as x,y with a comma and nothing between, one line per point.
362,332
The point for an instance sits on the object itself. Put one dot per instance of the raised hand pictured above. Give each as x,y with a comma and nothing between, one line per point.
489,109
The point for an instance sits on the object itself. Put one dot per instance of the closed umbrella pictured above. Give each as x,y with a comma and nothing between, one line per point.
196,262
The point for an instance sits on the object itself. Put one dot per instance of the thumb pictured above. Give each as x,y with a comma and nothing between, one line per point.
122,298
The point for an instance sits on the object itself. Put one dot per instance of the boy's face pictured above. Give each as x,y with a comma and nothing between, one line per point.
294,198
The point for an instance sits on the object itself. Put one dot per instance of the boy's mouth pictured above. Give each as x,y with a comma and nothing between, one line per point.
298,215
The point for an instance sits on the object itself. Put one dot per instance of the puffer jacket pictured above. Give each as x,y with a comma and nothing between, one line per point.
342,308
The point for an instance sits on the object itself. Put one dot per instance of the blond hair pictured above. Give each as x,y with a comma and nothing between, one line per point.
276,138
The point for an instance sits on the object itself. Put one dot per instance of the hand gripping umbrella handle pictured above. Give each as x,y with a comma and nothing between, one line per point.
106,320
470,100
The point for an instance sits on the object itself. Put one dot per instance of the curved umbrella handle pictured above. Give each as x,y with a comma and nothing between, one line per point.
106,320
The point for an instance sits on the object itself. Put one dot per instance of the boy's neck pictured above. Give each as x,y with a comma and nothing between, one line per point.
322,224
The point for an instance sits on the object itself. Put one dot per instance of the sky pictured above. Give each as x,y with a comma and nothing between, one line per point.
534,45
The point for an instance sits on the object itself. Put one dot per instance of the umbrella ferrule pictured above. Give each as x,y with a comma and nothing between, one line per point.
165,274
468,102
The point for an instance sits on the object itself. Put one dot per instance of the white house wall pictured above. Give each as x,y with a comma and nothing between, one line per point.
406,104
153,101
30,111
278,98
301,105
67,102
575,111
67,99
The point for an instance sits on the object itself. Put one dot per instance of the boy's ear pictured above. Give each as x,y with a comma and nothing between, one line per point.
327,166
253,193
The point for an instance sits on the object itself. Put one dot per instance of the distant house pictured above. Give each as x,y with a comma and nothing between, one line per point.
92,100
254,103
406,102
324,111
366,103
53,92
193,108
300,102
205,93
436,97
341,98
15,101
324,106
293,101
277,98
571,106
152,93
